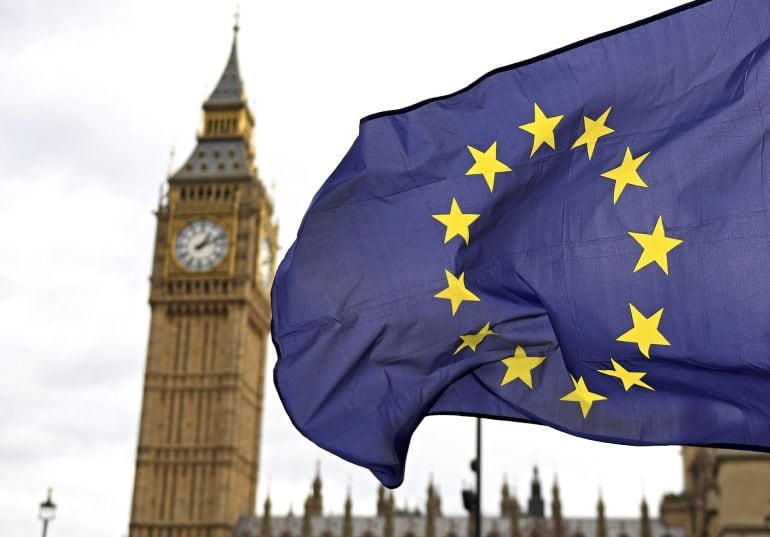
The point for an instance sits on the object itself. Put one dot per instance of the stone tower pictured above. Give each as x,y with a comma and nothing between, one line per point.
199,439
505,499
601,521
316,499
266,530
515,518
432,510
557,522
536,506
382,501
347,522
644,520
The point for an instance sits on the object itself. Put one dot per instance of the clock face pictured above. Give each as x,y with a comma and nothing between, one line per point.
265,262
201,245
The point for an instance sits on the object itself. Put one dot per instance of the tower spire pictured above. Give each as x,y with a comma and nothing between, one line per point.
644,523
536,504
601,523
224,149
432,509
382,502
317,497
267,530
347,523
557,521
505,498
229,90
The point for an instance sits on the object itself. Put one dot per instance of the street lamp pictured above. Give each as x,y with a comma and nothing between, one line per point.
47,511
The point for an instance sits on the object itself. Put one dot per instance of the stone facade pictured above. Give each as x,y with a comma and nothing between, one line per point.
726,494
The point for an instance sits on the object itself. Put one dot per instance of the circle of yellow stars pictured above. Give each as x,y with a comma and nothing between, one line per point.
655,247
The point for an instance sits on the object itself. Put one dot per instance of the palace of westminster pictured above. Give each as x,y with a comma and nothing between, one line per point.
197,459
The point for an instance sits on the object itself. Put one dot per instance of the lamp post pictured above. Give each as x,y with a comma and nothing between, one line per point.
472,499
47,512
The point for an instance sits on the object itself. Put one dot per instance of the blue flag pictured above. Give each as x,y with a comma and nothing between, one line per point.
579,240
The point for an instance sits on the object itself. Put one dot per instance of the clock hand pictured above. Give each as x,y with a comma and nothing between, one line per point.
206,240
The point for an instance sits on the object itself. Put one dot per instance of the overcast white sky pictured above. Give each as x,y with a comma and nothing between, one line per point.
93,95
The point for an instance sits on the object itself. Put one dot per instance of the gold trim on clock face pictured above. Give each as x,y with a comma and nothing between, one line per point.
201,245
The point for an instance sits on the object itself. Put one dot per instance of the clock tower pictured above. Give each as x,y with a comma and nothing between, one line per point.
199,439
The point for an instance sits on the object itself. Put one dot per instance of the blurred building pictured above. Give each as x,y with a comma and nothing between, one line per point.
726,494
513,520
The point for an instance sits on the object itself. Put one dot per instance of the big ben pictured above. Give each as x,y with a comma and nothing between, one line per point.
199,438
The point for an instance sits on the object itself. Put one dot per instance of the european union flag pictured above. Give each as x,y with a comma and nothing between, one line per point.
580,241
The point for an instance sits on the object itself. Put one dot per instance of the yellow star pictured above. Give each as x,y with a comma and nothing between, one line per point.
456,291
487,164
655,247
626,174
645,331
594,129
520,366
582,395
474,340
456,222
628,378
542,130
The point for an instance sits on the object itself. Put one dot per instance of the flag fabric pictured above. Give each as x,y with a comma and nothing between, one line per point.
580,240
